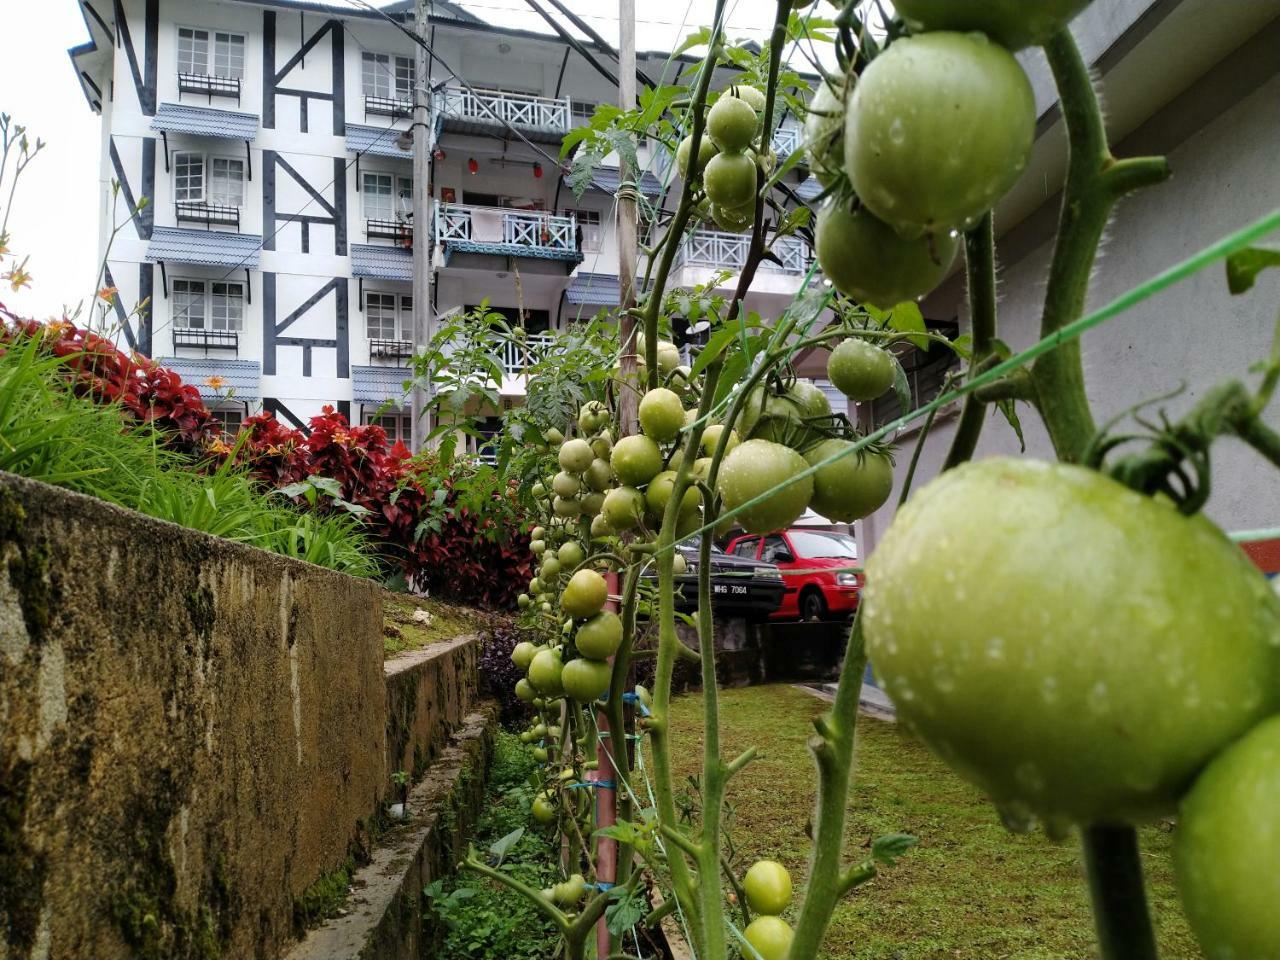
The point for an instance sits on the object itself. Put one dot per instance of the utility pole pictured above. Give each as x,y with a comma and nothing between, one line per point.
422,319
628,400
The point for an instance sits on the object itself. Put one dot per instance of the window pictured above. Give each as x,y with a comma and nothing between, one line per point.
582,110
815,543
589,222
386,196
389,77
211,53
388,316
747,547
231,420
201,305
397,426
224,184
776,550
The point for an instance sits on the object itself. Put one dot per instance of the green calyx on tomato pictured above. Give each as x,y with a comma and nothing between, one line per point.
860,370
1227,849
853,487
1077,650
869,261
1013,23
753,470
939,127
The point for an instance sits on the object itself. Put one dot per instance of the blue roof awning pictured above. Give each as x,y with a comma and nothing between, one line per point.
376,141
243,378
809,188
205,122
594,288
239,251
381,263
608,179
379,384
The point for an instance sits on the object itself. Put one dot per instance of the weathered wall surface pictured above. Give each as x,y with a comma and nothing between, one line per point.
429,692
190,733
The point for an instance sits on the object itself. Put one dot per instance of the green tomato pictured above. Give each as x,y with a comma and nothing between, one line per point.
661,414
538,533
600,637
730,179
1077,650
544,811
771,937
537,547
659,493
540,754
811,401
576,455
768,887
535,586
566,485
553,436
668,357
711,438
585,594
539,491
750,95
544,672
1013,23
1227,849
755,468
870,262
586,681
523,653
523,601
623,509
636,460
824,131
851,488
860,370
550,569
593,417
734,219
570,554
602,445
599,475
600,526
592,504
732,123
563,507
939,127
525,691
706,150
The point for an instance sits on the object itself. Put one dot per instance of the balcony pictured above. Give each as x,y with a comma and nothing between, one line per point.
209,215
518,355
397,230
209,86
390,349
728,251
472,111
398,108
504,232
206,340
786,140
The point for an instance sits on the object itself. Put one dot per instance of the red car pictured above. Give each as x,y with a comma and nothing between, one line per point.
821,585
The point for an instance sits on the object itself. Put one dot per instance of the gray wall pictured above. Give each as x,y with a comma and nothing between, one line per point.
1223,140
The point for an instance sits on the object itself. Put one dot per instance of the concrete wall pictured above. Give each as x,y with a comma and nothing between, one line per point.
191,732
1222,138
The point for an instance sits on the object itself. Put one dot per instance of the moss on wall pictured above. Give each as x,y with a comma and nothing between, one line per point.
28,568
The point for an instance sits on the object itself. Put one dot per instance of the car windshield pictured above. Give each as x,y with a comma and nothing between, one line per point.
810,543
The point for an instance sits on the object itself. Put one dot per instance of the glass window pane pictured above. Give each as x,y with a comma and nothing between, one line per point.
380,316
376,73
188,177
188,304
377,197
227,306
226,181
405,73
228,55
193,51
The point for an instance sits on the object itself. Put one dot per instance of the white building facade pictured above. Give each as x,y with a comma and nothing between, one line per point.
276,248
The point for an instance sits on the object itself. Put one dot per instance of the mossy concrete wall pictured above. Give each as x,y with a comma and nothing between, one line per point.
429,692
191,732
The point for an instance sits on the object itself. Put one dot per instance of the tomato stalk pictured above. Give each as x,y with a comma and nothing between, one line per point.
1114,867
1095,182
980,268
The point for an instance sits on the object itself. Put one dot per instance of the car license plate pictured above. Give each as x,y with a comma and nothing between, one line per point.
725,588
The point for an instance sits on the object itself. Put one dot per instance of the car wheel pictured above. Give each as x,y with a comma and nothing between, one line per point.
812,606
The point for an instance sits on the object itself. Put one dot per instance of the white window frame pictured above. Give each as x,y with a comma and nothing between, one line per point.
211,191
230,318
403,423
592,233
389,76
219,54
402,307
400,199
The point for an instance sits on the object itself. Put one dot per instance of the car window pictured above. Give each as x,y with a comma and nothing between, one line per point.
815,543
774,547
746,548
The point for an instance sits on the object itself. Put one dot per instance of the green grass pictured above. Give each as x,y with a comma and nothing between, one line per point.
402,633
969,891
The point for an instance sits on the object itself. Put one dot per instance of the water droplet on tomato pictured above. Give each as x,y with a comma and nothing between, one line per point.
897,132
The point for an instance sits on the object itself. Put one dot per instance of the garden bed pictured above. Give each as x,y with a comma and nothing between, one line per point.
404,629
969,891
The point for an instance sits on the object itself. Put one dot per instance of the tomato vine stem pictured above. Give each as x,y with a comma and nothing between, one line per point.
980,270
1114,867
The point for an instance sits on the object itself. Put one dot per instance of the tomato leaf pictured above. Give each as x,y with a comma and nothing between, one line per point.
1243,267
901,386
1010,411
715,346
502,846
626,912
907,318
890,848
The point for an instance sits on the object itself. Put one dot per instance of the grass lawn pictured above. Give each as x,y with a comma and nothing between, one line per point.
969,891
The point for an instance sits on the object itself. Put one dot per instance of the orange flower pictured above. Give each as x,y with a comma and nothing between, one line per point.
215,383
108,293
18,278
219,447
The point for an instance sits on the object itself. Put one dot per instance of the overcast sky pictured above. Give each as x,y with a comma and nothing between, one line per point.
54,217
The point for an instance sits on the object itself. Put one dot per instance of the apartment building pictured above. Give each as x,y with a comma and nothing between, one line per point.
273,141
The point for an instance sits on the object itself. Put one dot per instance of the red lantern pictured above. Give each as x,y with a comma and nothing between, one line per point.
537,171
473,166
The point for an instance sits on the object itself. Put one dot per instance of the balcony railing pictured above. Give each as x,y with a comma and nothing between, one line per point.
518,355
397,230
396,107
390,349
499,106
786,139
207,340
710,248
496,225
209,214
209,86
